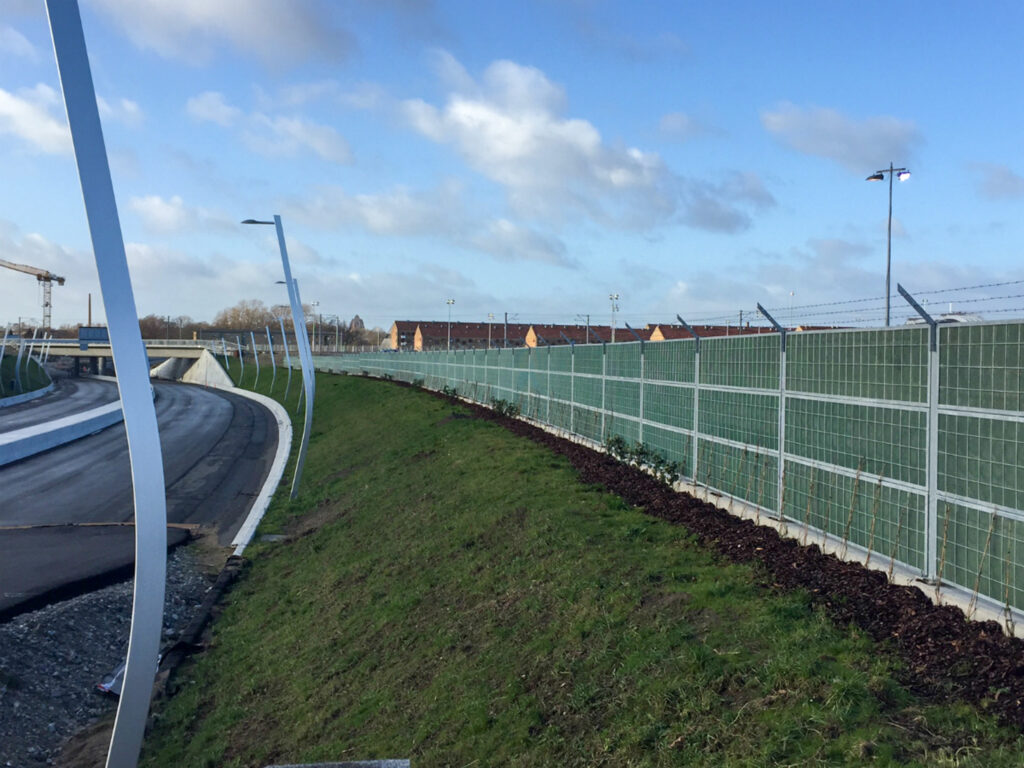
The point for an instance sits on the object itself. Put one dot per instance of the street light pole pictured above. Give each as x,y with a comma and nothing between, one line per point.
449,302
301,345
613,297
902,174
490,319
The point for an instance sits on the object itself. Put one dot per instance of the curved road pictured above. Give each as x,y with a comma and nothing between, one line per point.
62,513
69,396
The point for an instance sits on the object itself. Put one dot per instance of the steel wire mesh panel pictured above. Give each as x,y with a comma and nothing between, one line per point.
669,360
887,364
590,359
891,442
983,551
622,397
624,360
981,366
880,518
752,362
627,429
670,445
982,458
741,473
750,418
668,405
588,423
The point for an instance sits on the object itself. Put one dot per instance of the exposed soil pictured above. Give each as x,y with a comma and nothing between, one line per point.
945,656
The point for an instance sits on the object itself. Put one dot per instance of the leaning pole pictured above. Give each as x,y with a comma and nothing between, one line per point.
132,380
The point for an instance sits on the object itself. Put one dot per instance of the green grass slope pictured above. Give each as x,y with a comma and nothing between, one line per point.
32,375
452,593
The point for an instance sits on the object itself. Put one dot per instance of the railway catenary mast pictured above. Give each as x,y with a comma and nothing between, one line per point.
45,277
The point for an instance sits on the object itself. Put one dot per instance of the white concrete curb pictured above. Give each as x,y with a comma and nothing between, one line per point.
28,441
284,447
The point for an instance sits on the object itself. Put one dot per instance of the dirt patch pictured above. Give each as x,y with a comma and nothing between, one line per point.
88,748
325,513
945,656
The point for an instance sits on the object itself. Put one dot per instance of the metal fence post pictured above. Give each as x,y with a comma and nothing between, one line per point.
572,388
547,411
781,473
932,475
642,358
696,394
604,378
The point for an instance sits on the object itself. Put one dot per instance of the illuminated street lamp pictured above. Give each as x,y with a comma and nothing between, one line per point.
902,174
449,302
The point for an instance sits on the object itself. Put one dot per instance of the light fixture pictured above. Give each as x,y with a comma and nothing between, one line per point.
902,174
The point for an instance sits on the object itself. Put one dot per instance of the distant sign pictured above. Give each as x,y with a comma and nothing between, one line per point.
93,334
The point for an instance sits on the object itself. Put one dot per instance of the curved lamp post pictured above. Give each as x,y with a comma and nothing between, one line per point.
302,344
902,174
132,381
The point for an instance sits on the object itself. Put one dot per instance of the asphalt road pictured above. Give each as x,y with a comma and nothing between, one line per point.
63,513
69,396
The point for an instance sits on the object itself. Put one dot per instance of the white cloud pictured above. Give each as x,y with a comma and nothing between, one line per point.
510,127
508,241
271,135
288,136
399,212
210,106
998,182
123,111
438,213
173,216
683,127
194,30
14,43
28,117
860,145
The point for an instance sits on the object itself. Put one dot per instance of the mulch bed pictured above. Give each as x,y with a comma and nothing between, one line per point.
945,655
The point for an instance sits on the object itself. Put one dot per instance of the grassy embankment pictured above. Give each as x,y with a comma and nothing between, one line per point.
452,593
32,375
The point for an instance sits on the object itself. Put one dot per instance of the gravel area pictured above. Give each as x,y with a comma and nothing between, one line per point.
52,658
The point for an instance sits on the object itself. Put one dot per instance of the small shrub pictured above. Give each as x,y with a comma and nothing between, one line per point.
643,456
504,407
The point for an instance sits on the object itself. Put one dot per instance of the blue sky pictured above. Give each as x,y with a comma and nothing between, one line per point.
527,157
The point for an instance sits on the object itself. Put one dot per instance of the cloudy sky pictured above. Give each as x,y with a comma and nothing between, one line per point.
528,157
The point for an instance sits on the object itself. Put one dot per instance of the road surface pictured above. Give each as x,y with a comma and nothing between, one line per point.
65,514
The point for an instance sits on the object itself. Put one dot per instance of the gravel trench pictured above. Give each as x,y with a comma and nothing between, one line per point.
52,658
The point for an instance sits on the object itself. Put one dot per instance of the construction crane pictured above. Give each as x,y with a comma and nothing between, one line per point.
45,277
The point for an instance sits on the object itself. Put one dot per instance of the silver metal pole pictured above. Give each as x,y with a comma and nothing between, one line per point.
18,388
256,356
308,386
133,381
888,250
241,359
287,355
3,347
270,344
